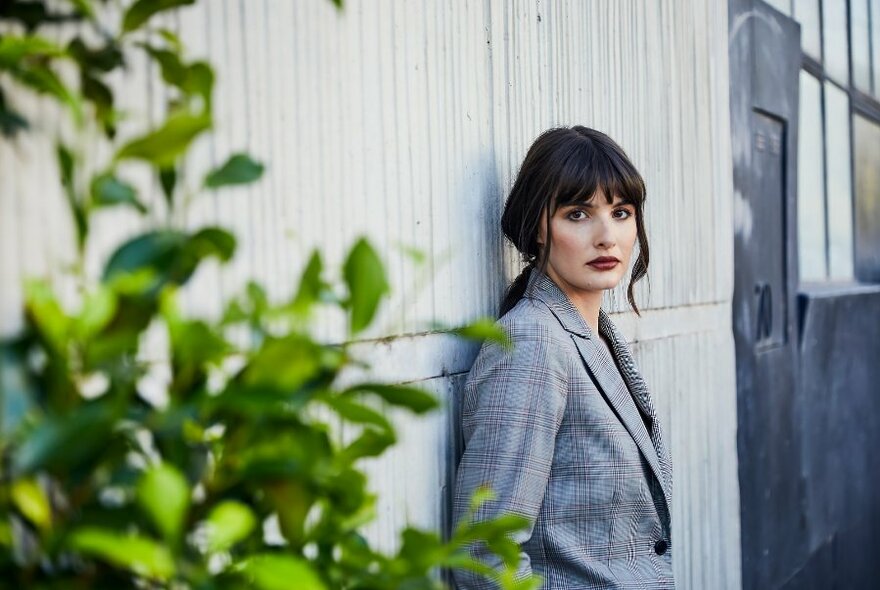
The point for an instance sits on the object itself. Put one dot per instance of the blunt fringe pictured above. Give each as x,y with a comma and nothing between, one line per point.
567,165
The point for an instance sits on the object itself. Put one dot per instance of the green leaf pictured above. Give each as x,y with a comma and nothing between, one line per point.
65,160
158,251
30,14
495,529
64,442
194,79
42,79
100,95
284,364
285,453
172,255
463,560
65,167
15,48
17,392
311,285
195,346
251,306
228,523
480,496
291,500
91,63
172,39
509,581
134,283
275,571
32,502
212,241
107,190
507,549
349,495
103,59
170,64
257,297
420,550
164,495
142,10
84,7
168,180
238,169
163,146
484,329
138,554
200,81
365,277
47,316
371,443
98,309
417,255
417,400
356,412
11,122
253,402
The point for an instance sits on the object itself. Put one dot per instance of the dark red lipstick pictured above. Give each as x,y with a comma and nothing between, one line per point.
604,262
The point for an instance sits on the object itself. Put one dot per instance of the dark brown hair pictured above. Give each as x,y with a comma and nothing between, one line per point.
566,165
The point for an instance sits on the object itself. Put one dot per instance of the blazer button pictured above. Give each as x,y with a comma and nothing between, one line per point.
660,547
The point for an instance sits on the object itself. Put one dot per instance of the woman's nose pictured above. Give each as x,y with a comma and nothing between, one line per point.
604,232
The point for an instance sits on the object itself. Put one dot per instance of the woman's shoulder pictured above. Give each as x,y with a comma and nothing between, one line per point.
536,343
531,315
532,329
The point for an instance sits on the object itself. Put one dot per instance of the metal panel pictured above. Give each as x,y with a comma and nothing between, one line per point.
841,424
768,309
765,62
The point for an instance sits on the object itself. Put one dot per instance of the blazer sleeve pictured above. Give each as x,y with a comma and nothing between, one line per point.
512,409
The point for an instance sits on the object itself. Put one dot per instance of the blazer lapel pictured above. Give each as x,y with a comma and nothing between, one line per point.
619,398
636,384
626,396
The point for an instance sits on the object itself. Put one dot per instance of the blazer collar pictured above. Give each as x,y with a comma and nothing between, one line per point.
541,286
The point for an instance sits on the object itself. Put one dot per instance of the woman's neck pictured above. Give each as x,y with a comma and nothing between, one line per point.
587,303
588,306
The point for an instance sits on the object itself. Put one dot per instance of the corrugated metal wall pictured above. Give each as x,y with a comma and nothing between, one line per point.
407,121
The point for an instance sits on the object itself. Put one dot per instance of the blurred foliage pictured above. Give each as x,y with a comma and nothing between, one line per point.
219,465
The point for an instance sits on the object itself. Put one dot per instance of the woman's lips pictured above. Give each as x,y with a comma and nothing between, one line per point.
606,265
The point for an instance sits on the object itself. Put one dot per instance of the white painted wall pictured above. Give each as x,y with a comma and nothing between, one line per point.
407,121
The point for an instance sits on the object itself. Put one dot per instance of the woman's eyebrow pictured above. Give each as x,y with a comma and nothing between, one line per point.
590,205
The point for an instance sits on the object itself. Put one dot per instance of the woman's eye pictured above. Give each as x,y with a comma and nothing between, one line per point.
577,215
626,213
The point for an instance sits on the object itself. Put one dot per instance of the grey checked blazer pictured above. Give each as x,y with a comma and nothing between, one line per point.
573,444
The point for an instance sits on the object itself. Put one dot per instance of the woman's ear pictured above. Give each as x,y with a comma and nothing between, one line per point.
542,229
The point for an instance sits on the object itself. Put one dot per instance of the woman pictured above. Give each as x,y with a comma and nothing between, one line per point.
561,426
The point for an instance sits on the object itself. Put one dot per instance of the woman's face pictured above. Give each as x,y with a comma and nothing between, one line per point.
582,233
